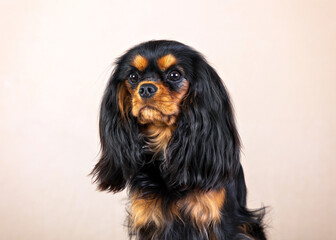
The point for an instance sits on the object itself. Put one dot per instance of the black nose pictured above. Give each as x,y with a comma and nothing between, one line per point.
147,90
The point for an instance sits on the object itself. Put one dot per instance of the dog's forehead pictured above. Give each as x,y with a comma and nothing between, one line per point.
141,61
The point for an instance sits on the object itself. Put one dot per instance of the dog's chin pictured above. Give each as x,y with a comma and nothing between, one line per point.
152,115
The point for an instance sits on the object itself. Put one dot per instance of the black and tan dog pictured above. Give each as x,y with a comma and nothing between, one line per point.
168,133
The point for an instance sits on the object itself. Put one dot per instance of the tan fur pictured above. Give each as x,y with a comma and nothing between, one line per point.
159,136
161,107
123,100
203,208
140,62
160,112
145,211
175,212
166,62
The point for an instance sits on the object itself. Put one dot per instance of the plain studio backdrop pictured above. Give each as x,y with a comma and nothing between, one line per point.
277,59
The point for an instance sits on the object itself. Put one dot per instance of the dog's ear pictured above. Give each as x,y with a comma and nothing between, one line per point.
204,150
120,151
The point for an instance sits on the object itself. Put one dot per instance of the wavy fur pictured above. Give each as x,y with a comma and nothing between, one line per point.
202,156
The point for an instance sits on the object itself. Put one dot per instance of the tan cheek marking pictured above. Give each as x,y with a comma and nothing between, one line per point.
169,101
203,208
183,92
135,99
166,61
164,99
140,62
145,211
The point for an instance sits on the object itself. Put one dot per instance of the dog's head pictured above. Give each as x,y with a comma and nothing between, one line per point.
167,91
155,86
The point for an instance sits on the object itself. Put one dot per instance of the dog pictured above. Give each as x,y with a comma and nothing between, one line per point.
168,134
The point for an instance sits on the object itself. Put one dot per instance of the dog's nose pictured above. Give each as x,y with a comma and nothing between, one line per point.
147,90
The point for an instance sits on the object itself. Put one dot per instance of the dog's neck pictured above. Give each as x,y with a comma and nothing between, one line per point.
158,136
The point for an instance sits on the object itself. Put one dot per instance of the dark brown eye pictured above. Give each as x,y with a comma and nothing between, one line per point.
133,77
174,76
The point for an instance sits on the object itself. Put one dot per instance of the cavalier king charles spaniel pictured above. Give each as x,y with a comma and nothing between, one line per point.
168,134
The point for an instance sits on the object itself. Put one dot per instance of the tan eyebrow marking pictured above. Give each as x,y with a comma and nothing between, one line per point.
140,62
166,61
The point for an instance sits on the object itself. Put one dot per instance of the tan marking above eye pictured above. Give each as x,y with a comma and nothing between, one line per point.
140,62
166,62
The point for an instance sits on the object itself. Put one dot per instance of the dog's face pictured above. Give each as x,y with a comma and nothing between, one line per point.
155,84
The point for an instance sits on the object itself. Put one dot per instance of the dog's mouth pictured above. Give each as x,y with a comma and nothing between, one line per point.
150,108
150,114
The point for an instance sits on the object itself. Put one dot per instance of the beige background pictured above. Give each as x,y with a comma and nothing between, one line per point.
277,59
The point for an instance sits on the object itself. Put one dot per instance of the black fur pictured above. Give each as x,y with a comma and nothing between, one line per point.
203,153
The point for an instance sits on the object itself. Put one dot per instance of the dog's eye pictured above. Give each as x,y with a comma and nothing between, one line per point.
133,77
174,76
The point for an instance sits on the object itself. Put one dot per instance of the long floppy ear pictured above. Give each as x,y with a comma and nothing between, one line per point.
120,151
204,150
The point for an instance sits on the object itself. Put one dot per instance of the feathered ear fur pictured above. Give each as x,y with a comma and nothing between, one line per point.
205,148
120,151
